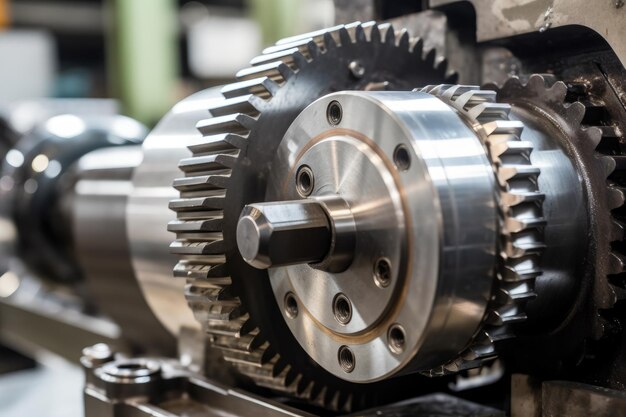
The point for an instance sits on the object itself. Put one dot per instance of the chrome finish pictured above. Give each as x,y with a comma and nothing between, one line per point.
148,215
267,233
97,207
323,227
230,169
433,223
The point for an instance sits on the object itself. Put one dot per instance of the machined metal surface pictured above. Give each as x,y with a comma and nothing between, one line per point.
97,206
267,233
158,387
147,214
230,169
420,187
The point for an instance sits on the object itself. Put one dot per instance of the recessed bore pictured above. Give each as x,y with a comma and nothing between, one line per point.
342,308
402,158
291,306
346,359
382,272
305,181
131,366
396,338
334,113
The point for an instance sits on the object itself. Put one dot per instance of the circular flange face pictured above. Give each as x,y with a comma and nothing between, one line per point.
420,189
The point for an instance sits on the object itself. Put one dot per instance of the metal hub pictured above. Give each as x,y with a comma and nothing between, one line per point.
418,191
230,168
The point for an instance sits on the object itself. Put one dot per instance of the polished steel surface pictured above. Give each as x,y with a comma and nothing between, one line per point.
283,233
230,169
148,214
98,218
420,187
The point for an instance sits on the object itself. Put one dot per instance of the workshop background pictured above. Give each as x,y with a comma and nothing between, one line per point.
124,49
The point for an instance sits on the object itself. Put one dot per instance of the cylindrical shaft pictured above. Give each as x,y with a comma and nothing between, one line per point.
283,233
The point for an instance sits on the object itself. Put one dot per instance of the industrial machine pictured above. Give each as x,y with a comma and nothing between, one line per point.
419,211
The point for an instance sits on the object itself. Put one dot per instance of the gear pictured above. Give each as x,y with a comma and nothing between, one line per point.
592,143
237,149
521,217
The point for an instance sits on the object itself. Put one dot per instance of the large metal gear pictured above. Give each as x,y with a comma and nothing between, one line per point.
520,212
230,167
582,126
482,296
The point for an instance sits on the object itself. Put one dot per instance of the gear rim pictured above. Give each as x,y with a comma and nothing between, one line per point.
203,209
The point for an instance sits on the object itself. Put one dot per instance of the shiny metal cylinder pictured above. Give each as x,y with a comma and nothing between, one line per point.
283,233
147,212
97,208
420,188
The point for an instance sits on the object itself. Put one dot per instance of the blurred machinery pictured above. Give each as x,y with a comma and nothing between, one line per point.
418,215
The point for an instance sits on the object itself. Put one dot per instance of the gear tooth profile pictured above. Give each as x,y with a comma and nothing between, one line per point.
240,126
521,218
572,111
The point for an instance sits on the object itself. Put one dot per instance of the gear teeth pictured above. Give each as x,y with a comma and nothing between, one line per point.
344,37
206,184
374,35
616,197
211,268
416,46
521,219
262,87
403,39
212,224
430,57
278,72
590,129
489,112
186,247
618,230
233,123
246,104
221,143
289,57
617,263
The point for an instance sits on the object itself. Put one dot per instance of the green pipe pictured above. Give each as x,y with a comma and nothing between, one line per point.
143,56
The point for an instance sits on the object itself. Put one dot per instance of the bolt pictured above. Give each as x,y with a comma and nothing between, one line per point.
357,69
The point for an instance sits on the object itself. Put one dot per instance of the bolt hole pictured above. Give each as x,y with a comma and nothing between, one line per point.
334,113
346,359
396,339
342,309
305,181
131,366
291,306
402,158
382,272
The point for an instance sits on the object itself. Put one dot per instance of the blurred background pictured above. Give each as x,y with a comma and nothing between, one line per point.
146,54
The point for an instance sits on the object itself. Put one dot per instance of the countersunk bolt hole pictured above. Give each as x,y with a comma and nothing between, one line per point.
342,308
396,338
334,113
382,272
291,306
346,359
402,158
305,181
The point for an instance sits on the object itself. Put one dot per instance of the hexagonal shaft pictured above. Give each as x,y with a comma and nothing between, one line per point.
284,233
